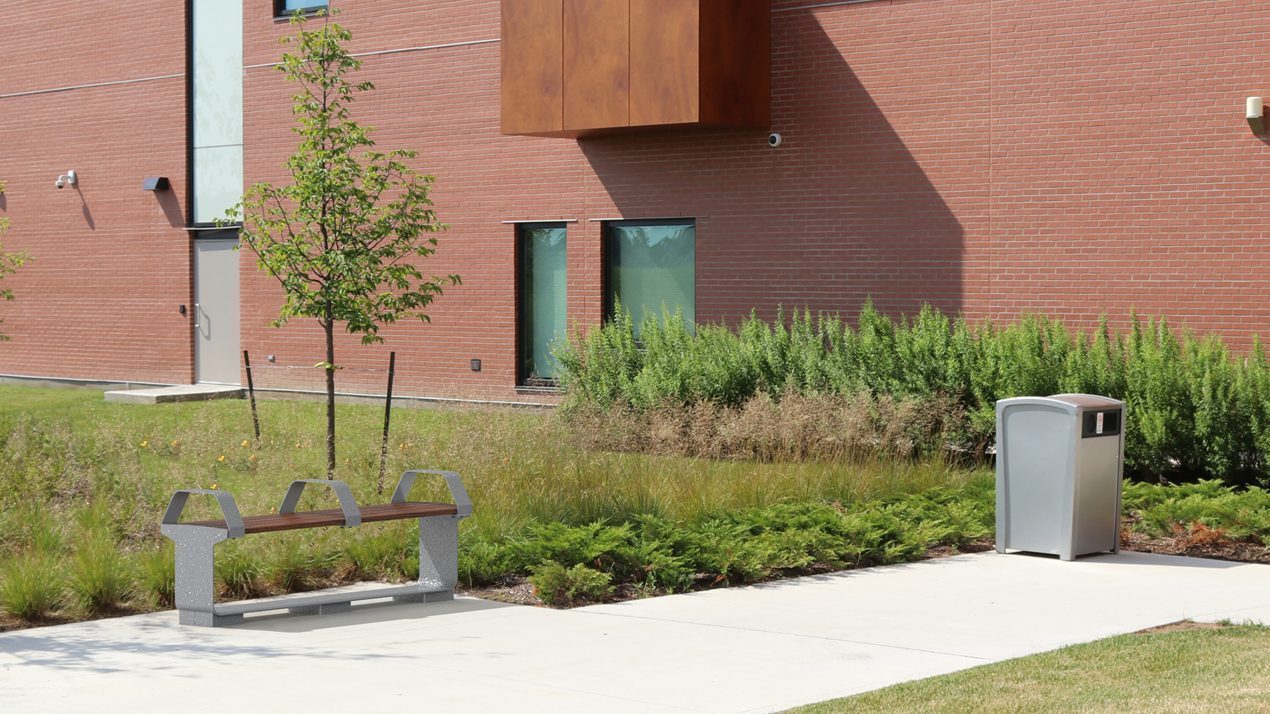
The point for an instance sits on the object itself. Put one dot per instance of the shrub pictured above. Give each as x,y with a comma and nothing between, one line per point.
653,554
807,387
596,545
379,555
156,575
240,572
482,562
300,564
31,585
100,576
557,585
1239,513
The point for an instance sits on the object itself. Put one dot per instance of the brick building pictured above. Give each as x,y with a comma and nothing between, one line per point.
991,157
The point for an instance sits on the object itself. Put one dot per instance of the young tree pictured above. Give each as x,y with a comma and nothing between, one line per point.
343,235
9,264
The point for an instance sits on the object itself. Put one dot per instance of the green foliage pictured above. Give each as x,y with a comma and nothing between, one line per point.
9,264
655,554
379,555
595,544
1238,513
561,586
156,576
1194,410
344,236
31,585
299,563
482,562
241,572
100,576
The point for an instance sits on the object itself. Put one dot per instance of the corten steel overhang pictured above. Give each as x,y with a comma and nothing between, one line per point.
576,68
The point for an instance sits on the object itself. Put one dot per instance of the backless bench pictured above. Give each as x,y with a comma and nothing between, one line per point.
196,541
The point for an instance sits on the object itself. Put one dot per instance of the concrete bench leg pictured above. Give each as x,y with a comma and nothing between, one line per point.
195,593
438,559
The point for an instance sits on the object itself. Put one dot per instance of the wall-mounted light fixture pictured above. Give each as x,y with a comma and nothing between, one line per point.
70,178
1257,115
156,183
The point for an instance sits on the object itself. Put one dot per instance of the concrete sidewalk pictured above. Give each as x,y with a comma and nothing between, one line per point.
759,648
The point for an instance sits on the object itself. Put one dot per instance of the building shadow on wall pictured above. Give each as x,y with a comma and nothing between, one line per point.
841,213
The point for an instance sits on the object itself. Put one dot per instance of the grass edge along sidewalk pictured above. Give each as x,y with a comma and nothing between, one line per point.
1187,667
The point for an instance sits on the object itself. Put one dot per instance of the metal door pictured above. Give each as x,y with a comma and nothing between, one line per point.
216,320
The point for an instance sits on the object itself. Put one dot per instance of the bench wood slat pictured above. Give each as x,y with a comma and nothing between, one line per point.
335,517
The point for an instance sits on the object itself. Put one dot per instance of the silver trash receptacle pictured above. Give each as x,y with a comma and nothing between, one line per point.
1060,465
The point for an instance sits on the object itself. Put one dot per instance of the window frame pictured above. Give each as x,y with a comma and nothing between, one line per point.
523,381
280,11
606,256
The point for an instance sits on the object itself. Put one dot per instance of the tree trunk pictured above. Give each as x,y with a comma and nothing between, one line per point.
329,326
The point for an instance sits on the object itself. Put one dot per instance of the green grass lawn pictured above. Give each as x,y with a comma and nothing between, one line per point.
1223,669
83,484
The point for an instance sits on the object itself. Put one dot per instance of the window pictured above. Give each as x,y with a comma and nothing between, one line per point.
541,287
651,266
282,8
217,141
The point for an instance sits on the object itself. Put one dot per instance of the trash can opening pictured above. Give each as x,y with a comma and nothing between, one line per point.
1103,423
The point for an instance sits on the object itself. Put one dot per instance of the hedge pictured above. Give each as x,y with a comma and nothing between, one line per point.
1194,408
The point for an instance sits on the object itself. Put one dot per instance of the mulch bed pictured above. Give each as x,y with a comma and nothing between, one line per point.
1244,551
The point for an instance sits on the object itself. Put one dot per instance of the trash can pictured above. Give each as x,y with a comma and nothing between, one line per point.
1060,463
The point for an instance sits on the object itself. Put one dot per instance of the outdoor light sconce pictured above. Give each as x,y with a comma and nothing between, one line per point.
156,183
1257,115
70,178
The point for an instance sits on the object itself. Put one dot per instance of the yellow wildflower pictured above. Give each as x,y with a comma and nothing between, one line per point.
214,487
246,443
221,458
145,444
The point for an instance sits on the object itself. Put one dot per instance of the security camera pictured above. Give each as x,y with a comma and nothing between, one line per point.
67,179
774,140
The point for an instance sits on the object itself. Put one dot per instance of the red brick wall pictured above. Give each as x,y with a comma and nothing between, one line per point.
1073,157
110,262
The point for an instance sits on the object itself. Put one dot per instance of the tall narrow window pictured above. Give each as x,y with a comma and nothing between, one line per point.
542,290
652,265
218,108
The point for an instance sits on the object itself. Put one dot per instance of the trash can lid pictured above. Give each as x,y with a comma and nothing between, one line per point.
1088,401
1071,403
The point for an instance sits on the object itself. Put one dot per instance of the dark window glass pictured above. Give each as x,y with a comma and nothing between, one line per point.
542,287
652,266
286,7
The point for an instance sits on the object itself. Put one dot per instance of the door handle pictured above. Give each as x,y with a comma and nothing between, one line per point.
198,311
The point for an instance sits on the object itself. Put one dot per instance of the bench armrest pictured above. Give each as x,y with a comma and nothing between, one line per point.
452,481
233,520
352,514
